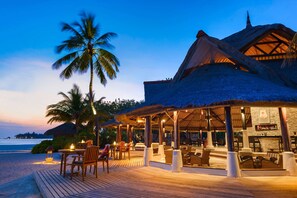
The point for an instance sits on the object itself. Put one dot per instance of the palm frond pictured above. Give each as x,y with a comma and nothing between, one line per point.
99,72
64,60
69,28
291,53
106,37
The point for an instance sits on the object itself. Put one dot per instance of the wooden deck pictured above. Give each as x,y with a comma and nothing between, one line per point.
128,178
52,184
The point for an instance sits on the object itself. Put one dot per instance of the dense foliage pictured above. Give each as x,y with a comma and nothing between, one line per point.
73,108
32,135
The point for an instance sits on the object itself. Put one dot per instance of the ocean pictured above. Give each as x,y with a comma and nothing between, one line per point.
18,145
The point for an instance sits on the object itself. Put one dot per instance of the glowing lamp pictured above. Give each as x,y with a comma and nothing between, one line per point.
82,141
72,147
114,143
49,154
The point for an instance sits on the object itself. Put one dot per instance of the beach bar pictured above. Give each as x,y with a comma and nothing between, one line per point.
232,93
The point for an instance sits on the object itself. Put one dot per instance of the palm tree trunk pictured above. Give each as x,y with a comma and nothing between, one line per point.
92,103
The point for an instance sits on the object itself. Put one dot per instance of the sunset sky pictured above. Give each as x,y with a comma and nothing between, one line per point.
154,37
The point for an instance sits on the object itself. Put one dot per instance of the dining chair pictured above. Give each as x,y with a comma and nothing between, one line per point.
89,158
104,156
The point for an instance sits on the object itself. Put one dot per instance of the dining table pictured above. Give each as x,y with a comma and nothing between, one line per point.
65,153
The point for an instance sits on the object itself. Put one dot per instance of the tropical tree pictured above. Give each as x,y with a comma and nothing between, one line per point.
291,52
73,108
87,50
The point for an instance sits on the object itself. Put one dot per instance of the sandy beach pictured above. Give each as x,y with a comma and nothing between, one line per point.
16,174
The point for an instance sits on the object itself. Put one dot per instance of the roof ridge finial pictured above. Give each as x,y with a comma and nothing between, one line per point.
201,33
248,21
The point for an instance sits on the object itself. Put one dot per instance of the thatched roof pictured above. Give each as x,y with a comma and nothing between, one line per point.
221,84
208,50
215,73
66,129
243,39
111,123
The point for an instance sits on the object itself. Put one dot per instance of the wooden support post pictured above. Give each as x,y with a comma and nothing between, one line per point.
229,129
148,151
289,162
232,160
176,130
245,138
120,133
148,132
284,129
209,133
129,133
161,124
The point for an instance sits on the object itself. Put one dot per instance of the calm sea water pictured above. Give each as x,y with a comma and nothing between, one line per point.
18,145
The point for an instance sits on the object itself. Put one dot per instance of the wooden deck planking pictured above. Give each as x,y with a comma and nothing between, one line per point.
154,182
52,184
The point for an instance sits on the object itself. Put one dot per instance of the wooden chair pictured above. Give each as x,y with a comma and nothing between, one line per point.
126,149
89,158
89,142
246,161
197,159
168,156
119,149
186,152
272,162
104,156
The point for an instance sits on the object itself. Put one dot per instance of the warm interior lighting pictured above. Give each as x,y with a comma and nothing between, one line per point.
163,120
72,147
114,143
140,120
242,110
82,141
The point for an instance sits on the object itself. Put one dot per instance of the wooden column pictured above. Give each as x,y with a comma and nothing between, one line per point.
129,133
229,129
161,125
245,138
284,128
176,130
148,132
119,133
209,133
233,169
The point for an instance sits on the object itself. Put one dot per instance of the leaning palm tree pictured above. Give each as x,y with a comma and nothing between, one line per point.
73,108
291,52
88,50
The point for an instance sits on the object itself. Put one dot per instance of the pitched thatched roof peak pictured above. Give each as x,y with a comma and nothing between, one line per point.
208,50
66,129
201,33
243,39
111,123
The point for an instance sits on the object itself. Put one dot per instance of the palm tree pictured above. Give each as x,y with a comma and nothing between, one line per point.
73,108
291,53
88,50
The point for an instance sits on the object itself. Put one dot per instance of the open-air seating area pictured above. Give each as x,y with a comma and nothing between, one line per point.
260,160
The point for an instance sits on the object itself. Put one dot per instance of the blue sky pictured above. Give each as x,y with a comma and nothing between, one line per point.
154,37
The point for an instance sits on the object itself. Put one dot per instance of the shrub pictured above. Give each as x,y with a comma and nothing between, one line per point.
41,147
